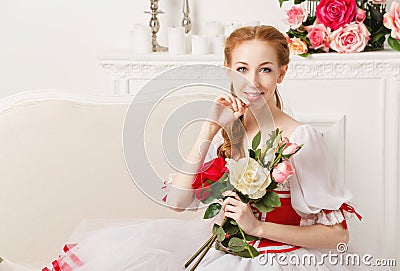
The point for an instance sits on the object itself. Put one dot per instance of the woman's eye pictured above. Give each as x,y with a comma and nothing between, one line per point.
265,70
241,69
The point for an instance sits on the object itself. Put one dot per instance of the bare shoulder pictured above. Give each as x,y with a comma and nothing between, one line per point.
288,125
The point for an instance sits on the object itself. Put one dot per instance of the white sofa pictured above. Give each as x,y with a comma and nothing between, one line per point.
61,163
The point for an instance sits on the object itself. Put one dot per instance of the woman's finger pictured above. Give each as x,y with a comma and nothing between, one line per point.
242,106
233,194
227,193
235,103
231,209
229,201
225,99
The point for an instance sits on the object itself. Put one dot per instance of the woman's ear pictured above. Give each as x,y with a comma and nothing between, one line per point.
282,73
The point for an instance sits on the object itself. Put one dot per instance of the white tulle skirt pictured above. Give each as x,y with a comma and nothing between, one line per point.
166,244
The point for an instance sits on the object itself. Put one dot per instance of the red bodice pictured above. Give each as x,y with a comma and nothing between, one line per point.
286,215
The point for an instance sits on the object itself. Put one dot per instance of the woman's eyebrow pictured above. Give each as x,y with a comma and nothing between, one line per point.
244,63
241,62
266,62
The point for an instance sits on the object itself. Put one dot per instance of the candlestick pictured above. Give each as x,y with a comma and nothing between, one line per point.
155,26
186,21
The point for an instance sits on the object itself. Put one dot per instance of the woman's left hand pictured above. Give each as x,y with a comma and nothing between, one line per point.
241,212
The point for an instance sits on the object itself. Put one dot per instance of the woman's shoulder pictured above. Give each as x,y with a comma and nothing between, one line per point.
305,132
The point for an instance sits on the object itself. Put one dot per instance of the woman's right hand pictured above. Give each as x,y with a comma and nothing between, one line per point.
226,109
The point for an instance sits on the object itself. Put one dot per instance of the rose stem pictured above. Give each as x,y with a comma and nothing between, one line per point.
208,246
247,245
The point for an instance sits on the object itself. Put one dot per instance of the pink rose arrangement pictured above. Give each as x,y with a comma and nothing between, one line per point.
391,20
343,26
254,178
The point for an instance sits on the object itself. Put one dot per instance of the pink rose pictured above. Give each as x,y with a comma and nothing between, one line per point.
318,34
361,15
282,171
296,15
297,46
336,13
378,2
391,20
290,148
349,39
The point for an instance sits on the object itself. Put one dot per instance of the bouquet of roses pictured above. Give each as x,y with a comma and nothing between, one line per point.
344,26
253,178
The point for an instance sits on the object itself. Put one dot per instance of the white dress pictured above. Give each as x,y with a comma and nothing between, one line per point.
314,192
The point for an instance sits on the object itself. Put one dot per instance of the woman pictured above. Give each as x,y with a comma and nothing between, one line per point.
311,220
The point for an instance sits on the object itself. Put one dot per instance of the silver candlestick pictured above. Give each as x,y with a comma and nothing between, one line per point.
186,22
155,26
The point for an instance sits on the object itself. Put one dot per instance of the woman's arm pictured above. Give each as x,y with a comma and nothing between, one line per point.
180,194
314,236
225,109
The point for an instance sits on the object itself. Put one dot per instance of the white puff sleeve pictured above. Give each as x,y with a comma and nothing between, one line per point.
317,195
211,154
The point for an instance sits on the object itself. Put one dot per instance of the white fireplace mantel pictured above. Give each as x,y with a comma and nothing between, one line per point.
123,66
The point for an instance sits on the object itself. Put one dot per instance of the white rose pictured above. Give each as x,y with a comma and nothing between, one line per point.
249,177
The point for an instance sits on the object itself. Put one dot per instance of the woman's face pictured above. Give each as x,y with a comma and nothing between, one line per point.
258,64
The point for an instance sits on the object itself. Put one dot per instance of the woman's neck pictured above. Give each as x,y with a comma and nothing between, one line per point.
261,118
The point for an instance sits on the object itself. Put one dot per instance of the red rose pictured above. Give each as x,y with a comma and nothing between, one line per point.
336,13
208,173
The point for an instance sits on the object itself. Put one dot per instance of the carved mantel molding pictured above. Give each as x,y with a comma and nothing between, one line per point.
122,65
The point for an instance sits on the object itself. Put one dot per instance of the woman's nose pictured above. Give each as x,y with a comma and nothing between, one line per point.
254,79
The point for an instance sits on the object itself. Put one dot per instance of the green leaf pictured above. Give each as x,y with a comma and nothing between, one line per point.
233,222
212,210
236,244
271,199
246,254
262,207
256,141
218,246
209,199
1,259
258,152
395,44
231,229
220,234
215,228
304,55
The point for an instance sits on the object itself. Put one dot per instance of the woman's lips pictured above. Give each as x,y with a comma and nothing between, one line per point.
253,96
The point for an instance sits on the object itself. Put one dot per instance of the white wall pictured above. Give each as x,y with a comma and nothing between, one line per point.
53,44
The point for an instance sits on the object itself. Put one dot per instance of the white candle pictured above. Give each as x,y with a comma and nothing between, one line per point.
176,40
218,44
140,39
213,28
199,45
